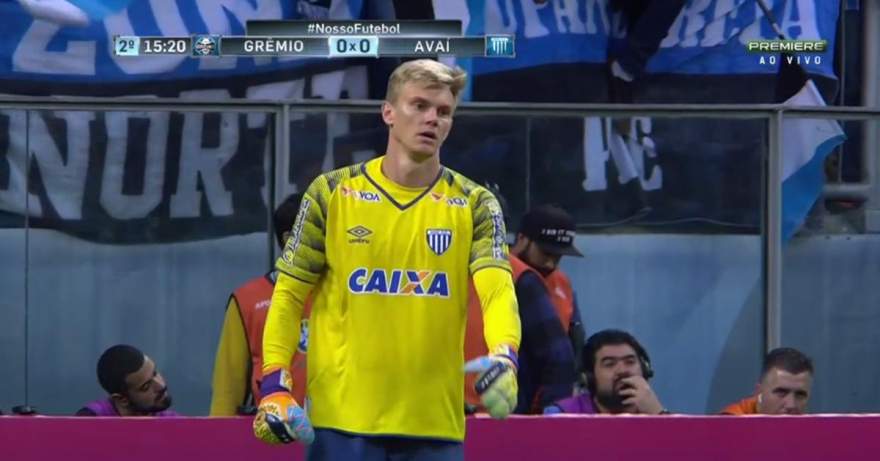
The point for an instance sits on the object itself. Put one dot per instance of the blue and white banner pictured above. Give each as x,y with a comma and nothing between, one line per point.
41,50
160,176
685,171
806,144
708,37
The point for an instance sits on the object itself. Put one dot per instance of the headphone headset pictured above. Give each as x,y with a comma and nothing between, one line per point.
611,337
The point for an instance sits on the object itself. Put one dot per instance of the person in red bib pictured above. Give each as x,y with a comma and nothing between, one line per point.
239,361
548,310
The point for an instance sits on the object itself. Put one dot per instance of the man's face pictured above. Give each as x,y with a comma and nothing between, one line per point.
540,260
420,118
614,362
146,389
784,393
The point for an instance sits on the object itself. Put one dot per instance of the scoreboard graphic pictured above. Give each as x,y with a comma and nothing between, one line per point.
328,39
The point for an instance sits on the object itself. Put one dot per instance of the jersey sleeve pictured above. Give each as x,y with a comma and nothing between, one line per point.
488,247
501,323
301,265
281,332
303,257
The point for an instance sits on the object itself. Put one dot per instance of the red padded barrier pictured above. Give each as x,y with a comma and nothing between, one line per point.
637,438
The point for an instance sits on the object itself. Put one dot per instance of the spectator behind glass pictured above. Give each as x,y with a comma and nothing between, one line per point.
239,361
133,383
784,387
547,308
618,369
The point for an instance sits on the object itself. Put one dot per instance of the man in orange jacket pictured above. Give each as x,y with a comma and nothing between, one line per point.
239,360
784,388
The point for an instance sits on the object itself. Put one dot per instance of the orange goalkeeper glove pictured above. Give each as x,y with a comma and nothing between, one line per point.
279,418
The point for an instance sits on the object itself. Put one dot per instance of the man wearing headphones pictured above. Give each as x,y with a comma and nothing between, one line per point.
618,369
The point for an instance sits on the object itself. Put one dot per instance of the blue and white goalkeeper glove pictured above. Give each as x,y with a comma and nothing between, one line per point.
279,418
496,384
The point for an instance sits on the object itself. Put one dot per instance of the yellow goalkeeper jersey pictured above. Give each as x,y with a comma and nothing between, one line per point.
391,266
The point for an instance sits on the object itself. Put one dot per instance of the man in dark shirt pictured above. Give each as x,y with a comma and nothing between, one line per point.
547,308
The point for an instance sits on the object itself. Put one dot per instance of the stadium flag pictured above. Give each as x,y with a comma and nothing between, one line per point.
75,13
805,145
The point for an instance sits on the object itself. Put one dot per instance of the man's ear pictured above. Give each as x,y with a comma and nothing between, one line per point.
119,399
388,113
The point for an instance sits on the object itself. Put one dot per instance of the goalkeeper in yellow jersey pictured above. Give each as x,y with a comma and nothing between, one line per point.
386,248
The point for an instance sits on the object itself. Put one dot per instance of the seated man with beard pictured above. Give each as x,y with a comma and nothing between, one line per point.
133,383
618,369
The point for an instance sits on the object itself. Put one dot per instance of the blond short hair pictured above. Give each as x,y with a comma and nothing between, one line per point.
428,72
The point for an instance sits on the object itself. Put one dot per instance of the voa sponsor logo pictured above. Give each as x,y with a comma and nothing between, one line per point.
457,201
398,282
367,196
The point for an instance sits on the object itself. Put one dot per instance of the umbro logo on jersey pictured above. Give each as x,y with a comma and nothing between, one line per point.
438,240
398,282
364,195
360,234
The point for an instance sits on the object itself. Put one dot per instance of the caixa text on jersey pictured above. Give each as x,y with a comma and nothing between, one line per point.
398,282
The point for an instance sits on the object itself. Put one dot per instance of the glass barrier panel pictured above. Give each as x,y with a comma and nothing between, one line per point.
147,222
830,294
13,253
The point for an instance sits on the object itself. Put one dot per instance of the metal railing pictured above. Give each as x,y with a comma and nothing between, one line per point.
773,114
